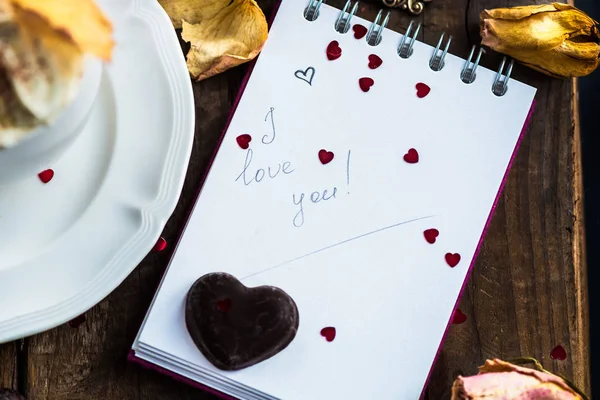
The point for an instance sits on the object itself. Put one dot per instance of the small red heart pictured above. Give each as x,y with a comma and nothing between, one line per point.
224,305
46,176
77,321
422,90
160,245
452,259
328,333
412,156
359,31
458,317
558,353
325,156
244,140
365,84
375,61
431,235
334,51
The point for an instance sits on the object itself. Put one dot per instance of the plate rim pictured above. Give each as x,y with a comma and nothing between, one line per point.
157,213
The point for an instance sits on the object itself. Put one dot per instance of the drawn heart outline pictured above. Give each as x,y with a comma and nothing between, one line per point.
411,156
244,140
375,61
328,333
422,90
365,84
325,156
359,31
304,75
431,235
334,51
452,259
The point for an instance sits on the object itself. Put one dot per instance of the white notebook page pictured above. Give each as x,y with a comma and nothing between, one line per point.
357,261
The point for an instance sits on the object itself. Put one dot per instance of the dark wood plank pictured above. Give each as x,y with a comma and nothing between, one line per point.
527,292
8,365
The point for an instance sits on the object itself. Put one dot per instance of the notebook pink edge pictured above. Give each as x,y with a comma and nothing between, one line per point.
131,357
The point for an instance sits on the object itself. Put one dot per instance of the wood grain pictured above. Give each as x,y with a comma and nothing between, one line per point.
527,292
8,365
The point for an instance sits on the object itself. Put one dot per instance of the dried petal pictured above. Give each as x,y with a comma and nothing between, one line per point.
222,34
191,11
499,380
556,39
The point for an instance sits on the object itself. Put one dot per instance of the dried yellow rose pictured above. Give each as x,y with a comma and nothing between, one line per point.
500,380
556,39
222,34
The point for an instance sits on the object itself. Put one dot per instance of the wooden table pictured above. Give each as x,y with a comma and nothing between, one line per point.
527,293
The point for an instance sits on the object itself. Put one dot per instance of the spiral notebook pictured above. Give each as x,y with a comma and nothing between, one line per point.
358,173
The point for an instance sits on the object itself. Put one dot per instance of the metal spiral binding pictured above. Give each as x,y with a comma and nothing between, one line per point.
436,62
342,24
311,12
468,73
405,50
374,35
500,85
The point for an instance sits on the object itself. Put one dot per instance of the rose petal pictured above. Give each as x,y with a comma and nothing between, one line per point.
499,380
234,35
192,11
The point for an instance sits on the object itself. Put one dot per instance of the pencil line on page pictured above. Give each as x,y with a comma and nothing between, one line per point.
338,244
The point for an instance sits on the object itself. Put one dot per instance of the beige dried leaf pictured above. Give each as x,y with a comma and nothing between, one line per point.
222,34
556,39
192,11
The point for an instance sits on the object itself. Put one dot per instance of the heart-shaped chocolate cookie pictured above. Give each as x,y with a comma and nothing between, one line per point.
235,326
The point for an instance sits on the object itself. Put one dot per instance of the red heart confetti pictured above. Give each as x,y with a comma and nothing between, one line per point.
431,235
325,156
244,140
359,31
422,90
458,317
328,333
160,245
452,259
365,84
77,321
558,353
224,305
334,51
46,176
412,156
375,61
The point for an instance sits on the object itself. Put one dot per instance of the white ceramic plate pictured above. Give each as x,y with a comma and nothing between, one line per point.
67,244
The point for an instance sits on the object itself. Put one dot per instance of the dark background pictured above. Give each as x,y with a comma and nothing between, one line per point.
589,102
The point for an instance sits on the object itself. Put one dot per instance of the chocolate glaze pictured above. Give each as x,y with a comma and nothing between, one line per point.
235,326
